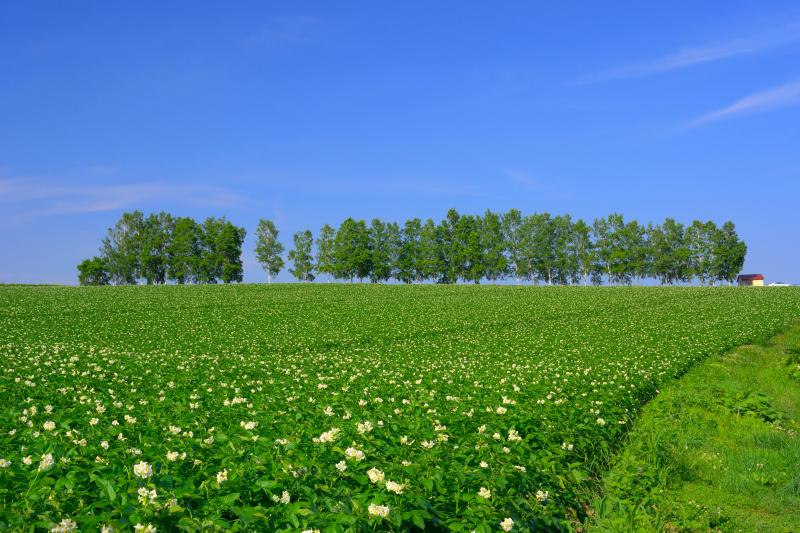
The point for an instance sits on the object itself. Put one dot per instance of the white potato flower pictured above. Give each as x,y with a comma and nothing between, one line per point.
328,436
46,462
65,526
143,470
397,488
352,453
375,475
378,510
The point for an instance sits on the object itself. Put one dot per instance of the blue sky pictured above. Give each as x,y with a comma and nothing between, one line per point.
307,113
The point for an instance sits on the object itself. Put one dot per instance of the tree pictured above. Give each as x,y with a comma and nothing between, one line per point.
220,251
120,249
408,266
93,272
433,260
612,253
634,242
582,250
229,252
160,247
154,239
514,239
618,253
670,253
462,247
495,264
538,247
380,251
326,249
601,234
728,253
269,250
565,267
351,251
183,251
393,245
208,261
700,243
450,247
469,247
301,258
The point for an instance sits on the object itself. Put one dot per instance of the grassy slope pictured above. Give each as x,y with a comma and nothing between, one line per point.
717,450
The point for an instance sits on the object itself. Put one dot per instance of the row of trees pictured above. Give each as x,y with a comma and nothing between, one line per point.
537,248
160,248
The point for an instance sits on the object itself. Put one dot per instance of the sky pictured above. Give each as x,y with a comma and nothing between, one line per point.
309,112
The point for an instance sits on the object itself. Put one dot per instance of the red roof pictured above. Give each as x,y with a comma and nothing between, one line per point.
750,277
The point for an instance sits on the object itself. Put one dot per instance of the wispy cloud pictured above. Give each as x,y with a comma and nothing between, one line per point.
380,186
552,188
523,179
32,198
691,56
434,189
103,170
290,30
784,95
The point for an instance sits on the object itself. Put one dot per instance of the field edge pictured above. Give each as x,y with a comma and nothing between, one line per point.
717,449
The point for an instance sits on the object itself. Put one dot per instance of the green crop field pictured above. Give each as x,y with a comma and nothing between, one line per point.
338,407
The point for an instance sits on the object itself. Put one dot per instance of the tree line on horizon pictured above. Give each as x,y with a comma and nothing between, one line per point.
537,248
160,248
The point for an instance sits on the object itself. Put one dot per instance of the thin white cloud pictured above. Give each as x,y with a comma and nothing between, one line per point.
691,56
784,95
552,189
380,186
103,170
290,30
523,179
31,198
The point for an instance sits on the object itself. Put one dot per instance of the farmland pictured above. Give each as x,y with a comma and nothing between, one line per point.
305,407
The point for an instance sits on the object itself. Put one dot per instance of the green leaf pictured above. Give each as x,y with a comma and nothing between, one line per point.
228,499
106,488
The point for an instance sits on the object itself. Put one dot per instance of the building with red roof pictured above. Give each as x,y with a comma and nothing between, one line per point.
750,280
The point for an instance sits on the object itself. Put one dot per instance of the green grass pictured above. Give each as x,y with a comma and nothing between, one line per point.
718,449
486,404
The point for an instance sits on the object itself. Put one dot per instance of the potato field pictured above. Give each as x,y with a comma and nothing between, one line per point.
337,407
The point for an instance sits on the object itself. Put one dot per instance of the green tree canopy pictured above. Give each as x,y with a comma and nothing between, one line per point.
300,256
269,250
93,272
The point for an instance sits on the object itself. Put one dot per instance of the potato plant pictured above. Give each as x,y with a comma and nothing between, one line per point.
337,407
